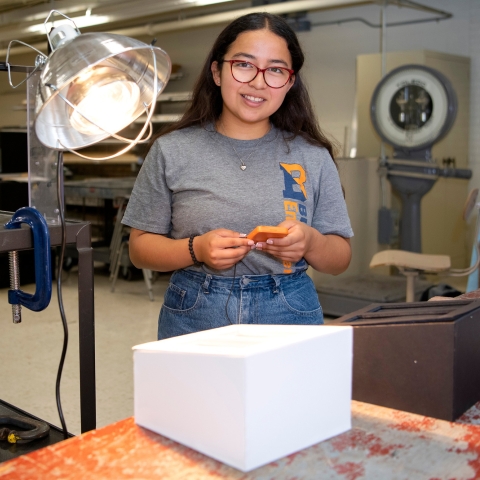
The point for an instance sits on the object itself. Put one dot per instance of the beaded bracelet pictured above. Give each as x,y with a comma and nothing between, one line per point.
192,253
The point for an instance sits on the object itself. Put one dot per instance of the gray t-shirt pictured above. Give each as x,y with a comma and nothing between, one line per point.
191,182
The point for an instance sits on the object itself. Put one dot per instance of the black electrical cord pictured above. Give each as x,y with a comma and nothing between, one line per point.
59,289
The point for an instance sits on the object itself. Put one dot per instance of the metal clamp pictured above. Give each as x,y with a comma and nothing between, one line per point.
30,429
43,261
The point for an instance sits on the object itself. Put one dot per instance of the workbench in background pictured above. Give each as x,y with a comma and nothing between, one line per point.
93,187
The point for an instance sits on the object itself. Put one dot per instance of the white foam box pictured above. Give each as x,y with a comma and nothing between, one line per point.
246,394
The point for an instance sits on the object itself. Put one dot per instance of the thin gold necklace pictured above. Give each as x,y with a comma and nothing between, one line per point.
243,166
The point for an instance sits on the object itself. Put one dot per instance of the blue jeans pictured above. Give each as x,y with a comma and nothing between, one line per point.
197,301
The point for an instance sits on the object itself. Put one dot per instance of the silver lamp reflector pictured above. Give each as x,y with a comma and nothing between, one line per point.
96,85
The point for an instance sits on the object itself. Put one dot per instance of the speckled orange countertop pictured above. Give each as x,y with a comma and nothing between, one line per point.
382,444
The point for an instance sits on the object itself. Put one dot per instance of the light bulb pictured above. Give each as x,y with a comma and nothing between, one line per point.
110,106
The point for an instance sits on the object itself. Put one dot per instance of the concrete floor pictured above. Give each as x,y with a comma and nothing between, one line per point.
30,351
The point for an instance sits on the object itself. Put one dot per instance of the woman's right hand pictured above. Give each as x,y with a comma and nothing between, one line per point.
221,249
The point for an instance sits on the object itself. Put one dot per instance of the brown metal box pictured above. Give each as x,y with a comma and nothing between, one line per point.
421,357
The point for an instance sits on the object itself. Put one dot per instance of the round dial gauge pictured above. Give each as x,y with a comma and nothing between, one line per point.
413,107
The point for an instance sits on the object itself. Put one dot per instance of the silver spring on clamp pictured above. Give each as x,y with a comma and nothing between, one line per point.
15,283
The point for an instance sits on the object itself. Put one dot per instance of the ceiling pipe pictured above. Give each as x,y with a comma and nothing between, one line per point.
217,18
226,17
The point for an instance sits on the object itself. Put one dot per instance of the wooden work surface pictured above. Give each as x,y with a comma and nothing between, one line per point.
382,444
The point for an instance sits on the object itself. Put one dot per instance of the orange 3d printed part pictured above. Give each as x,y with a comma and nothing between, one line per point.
262,233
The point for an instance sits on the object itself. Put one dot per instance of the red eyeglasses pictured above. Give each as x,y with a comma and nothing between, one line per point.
245,72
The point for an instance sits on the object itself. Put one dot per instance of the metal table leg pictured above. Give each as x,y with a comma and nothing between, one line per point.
78,233
86,329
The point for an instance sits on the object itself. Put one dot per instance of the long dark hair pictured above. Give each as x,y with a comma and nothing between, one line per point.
294,117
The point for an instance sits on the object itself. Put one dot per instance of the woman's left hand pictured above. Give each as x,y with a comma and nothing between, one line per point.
326,253
294,246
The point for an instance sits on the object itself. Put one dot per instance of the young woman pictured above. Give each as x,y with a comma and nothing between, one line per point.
248,152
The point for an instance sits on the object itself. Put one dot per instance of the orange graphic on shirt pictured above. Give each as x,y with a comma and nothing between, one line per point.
291,210
295,192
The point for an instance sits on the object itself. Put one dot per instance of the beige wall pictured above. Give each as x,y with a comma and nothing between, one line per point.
330,70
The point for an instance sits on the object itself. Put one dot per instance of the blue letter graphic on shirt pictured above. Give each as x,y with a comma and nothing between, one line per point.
295,177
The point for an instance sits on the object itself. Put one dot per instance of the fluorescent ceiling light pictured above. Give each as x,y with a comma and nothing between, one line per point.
90,19
80,22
